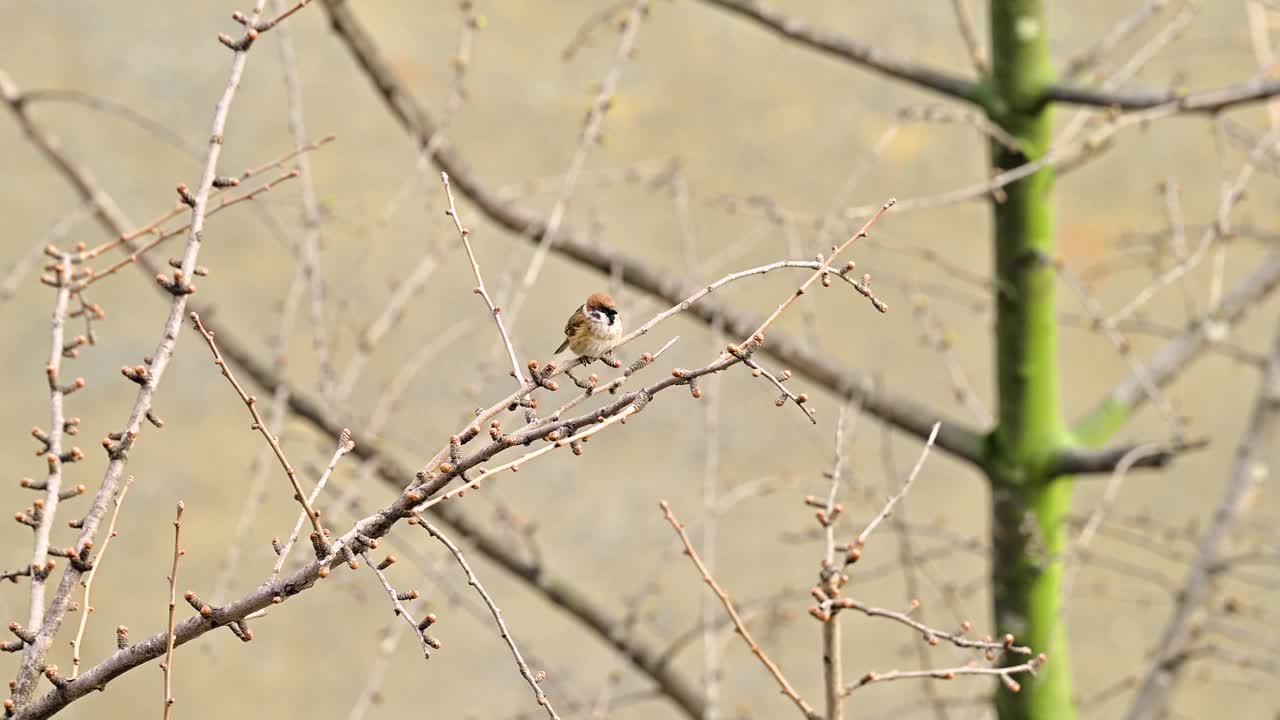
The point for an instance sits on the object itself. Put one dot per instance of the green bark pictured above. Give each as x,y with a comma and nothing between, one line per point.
1029,507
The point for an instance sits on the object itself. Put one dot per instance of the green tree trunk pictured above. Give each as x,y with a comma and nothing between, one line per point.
1029,507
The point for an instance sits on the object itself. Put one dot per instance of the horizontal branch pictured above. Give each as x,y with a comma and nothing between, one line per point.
897,410
837,45
1207,101
1080,461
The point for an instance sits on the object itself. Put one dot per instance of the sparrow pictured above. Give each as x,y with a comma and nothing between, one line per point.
593,329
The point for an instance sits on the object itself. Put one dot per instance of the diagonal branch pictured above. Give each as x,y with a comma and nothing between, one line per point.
837,45
1168,364
899,411
558,590
1260,433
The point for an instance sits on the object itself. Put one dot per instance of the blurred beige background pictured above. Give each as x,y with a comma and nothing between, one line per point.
746,115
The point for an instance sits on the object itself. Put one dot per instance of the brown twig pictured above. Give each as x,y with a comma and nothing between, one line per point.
256,490
1004,673
474,582
171,637
932,635
86,607
397,604
970,34
464,233
162,235
823,268
514,465
345,445
125,237
250,402
741,626
861,539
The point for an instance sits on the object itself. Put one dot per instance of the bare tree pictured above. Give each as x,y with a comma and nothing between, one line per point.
338,421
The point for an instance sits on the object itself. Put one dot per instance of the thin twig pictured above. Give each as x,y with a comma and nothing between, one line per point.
823,268
397,604
1089,57
345,445
931,634
514,465
861,539
1099,516
1004,673
740,626
171,637
251,402
257,487
464,234
1159,679
907,560
970,35
87,607
310,243
474,582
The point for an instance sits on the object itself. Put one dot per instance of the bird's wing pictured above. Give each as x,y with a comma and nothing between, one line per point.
571,327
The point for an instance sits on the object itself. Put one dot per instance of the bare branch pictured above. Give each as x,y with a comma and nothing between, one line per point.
872,58
464,234
251,403
844,48
397,604
85,605
899,411
1159,679
741,627
474,582
179,286
1004,673
170,637
861,539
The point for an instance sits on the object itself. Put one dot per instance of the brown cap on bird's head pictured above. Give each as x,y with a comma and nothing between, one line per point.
599,301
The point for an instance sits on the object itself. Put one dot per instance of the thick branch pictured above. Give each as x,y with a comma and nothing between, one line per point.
896,410
837,45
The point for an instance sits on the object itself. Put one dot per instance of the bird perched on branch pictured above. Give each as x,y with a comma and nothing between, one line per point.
593,329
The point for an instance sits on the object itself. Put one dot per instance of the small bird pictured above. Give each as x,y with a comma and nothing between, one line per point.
593,329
